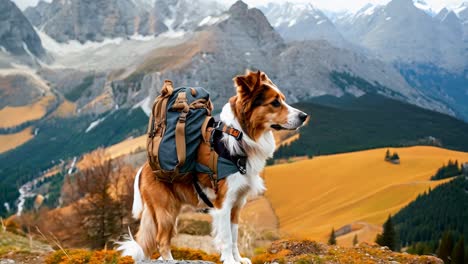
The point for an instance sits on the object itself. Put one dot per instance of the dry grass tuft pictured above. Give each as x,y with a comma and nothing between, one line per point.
84,256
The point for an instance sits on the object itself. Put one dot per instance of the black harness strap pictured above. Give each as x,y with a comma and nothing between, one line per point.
201,193
220,148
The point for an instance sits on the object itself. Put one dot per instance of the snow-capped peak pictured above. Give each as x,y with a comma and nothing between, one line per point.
421,4
462,8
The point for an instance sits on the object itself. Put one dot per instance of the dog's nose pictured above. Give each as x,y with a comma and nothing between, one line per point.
302,117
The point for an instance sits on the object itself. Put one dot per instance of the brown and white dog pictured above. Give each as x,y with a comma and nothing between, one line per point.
258,108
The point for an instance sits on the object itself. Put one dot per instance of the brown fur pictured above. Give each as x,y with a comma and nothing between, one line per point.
252,104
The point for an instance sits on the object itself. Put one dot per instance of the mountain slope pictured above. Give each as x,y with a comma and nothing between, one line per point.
17,36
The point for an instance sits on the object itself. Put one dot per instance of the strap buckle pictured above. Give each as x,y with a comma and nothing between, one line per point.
182,117
241,165
235,133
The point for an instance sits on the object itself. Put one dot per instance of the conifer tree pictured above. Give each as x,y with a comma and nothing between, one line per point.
389,236
445,247
458,254
387,155
355,240
332,239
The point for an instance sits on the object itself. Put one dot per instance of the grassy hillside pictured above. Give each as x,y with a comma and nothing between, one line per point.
11,141
14,116
347,124
312,196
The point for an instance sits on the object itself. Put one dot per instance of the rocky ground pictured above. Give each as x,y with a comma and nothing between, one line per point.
19,249
305,251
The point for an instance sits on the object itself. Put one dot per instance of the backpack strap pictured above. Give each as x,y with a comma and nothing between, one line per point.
157,124
182,105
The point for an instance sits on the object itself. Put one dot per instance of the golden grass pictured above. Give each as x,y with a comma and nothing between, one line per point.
11,116
312,196
127,146
65,109
364,232
11,141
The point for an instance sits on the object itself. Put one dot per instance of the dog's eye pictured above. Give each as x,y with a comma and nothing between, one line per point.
276,103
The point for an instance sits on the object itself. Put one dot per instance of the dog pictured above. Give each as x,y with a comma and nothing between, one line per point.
256,110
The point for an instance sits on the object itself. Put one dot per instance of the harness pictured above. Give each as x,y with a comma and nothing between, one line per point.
219,163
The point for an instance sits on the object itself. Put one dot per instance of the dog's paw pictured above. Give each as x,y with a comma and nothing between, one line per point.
245,261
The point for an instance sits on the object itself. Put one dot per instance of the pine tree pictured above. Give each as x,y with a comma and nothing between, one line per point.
355,240
458,254
387,155
445,247
389,236
332,239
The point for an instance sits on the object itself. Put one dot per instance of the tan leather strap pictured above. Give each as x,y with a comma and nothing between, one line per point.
180,139
157,124
213,163
167,88
181,105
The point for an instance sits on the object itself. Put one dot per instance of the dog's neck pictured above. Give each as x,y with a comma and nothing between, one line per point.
257,152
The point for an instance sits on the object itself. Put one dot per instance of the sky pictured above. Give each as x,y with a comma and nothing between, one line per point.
328,5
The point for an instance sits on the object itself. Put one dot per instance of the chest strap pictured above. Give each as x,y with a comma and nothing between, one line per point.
220,126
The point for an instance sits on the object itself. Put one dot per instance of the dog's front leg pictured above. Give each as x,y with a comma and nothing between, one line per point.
222,233
235,232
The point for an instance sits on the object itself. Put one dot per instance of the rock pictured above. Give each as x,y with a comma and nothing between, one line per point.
174,262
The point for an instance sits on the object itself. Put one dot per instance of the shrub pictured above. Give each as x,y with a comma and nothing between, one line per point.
83,256
190,254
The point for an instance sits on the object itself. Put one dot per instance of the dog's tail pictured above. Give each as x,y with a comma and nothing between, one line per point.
137,207
131,248
141,248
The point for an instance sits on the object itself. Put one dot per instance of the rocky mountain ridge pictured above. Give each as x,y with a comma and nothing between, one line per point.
17,36
102,19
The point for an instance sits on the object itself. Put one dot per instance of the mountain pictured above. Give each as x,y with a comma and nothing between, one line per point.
243,38
17,36
462,13
399,31
85,20
295,22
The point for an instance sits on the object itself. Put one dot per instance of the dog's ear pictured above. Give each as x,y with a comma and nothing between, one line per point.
247,83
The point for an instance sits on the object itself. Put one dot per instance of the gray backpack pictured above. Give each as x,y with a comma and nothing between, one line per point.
175,130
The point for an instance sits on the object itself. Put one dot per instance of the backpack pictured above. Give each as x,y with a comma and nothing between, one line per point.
178,118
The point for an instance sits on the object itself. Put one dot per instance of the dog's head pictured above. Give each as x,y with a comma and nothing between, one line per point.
260,106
